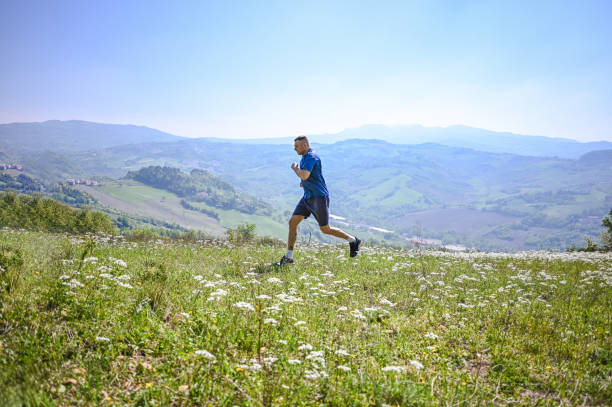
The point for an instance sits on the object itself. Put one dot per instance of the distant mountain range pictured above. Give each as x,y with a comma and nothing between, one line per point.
75,135
455,136
454,194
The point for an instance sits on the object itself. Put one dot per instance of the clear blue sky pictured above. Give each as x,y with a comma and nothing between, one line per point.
265,68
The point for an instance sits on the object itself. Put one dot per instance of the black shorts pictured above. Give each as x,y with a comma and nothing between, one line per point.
317,205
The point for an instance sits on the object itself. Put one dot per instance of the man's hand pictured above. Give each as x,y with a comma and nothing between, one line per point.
302,174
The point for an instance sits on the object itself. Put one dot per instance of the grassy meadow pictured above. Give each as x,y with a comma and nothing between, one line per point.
136,198
106,321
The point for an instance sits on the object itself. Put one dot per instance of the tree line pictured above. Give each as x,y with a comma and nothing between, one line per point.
45,214
200,186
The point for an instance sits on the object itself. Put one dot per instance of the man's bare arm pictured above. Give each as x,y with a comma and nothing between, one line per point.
302,174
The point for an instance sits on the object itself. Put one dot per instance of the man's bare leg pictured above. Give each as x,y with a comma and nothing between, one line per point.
354,242
329,230
294,221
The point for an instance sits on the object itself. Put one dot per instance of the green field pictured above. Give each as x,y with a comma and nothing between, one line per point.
135,192
115,322
134,197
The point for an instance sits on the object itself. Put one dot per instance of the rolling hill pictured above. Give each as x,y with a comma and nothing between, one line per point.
456,195
168,204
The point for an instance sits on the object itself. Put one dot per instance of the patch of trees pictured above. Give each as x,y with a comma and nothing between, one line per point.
71,196
205,211
605,238
21,183
199,186
45,214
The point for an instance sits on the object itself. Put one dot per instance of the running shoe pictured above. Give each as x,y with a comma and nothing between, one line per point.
355,246
284,260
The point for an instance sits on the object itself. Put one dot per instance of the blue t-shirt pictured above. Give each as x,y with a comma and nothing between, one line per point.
315,184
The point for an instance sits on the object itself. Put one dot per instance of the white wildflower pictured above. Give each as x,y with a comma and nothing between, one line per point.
102,339
206,354
342,352
120,262
313,374
216,295
431,335
416,364
396,369
244,305
74,284
343,368
294,362
385,301
263,297
357,314
269,360
270,321
317,357
306,346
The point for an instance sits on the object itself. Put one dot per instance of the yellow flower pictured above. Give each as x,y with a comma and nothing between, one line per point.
148,385
548,367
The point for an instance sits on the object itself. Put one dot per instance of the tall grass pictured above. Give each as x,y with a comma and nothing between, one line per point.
205,322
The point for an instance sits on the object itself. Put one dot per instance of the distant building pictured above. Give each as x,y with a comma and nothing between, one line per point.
88,182
422,241
17,167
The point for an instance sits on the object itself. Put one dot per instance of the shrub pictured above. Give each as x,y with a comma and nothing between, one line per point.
243,233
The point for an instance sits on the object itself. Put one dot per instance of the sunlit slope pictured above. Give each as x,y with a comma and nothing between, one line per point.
136,198
91,321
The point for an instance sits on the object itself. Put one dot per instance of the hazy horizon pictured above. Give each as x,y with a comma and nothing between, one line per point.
253,70
310,134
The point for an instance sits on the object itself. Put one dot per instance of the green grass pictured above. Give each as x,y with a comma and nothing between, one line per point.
135,192
265,225
393,192
125,328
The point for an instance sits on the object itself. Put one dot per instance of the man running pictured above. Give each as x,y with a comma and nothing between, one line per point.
315,200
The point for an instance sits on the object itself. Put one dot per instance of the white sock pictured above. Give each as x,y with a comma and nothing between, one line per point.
289,254
351,239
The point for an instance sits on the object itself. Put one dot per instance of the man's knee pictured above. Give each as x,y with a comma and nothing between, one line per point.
325,229
294,221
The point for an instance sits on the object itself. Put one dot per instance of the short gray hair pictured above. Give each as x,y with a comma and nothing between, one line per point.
302,139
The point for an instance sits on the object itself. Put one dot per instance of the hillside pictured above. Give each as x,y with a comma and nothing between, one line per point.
455,195
136,199
507,200
200,186
209,323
